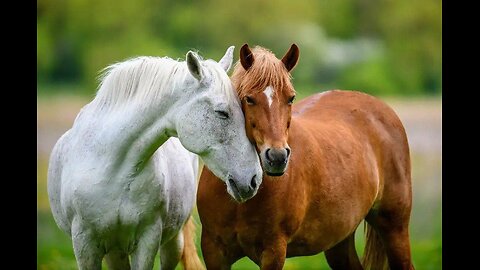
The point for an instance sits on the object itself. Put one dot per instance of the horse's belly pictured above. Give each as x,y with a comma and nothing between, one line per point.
303,249
314,242
310,242
323,228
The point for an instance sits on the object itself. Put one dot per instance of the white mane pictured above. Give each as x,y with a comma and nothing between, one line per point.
145,80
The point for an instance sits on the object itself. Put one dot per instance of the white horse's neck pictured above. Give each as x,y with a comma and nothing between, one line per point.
140,134
133,131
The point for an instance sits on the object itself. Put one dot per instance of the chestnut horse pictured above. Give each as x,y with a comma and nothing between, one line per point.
331,160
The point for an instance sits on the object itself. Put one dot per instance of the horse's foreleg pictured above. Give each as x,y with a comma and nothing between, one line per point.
171,252
143,256
343,255
214,253
273,254
88,252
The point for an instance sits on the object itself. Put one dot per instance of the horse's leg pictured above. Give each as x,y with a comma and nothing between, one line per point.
117,260
87,249
171,252
390,220
273,254
398,248
143,256
214,253
343,255
395,239
392,217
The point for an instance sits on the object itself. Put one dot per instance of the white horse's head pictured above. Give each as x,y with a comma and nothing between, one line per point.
211,124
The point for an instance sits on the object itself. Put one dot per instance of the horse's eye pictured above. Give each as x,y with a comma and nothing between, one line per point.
249,100
290,100
222,114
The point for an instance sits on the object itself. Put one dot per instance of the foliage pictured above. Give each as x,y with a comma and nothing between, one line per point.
77,38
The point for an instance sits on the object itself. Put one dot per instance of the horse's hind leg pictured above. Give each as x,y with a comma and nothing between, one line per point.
391,217
117,260
343,255
395,239
398,248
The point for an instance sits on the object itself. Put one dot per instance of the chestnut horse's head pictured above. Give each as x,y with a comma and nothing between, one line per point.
266,92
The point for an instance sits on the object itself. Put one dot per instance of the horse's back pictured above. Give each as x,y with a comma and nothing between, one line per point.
360,111
344,104
372,121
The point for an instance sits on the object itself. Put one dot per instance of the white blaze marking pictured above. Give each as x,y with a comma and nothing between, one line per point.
269,94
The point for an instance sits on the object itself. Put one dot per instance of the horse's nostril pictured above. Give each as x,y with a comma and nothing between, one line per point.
277,155
267,154
232,182
253,183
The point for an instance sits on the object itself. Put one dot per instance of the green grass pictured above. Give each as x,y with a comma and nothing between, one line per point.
54,250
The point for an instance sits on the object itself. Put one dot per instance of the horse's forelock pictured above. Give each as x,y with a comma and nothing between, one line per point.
267,70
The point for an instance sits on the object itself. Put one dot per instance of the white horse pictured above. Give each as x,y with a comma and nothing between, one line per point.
114,193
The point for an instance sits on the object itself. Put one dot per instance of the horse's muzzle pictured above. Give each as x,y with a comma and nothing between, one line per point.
275,160
242,192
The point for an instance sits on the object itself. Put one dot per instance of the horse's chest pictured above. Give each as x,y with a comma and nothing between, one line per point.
175,210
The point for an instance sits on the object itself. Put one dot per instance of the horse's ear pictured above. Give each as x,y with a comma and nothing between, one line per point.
194,65
290,59
246,57
226,61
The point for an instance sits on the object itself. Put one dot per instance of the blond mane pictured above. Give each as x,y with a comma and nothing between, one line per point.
267,70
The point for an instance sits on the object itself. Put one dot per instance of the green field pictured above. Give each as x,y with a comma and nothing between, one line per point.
422,119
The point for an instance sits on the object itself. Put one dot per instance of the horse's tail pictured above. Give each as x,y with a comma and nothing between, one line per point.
190,259
374,256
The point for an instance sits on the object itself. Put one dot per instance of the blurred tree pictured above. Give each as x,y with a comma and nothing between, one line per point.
77,38
412,31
